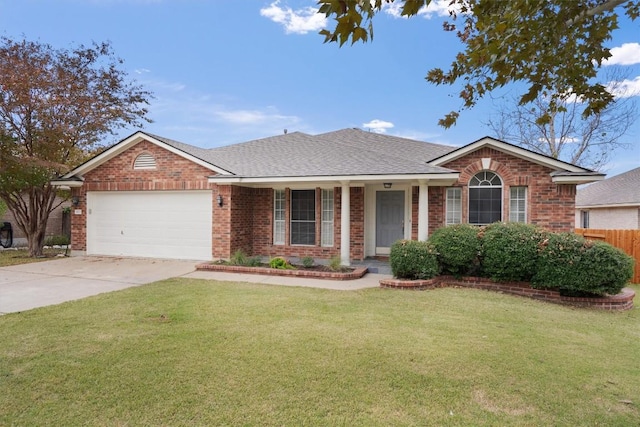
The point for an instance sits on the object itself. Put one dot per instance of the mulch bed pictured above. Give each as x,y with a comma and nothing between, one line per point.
315,272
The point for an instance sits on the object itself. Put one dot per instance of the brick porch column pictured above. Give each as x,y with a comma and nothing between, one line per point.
345,224
423,211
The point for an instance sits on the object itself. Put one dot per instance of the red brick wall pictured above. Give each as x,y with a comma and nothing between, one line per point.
172,173
250,219
548,205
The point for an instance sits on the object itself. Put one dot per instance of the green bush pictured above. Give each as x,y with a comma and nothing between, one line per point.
335,264
307,261
412,259
510,251
59,240
458,247
579,267
280,263
239,257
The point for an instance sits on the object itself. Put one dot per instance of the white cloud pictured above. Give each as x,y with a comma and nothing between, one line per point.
625,88
300,21
377,126
627,54
252,117
435,8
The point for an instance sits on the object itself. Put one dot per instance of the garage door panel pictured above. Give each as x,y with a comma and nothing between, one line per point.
172,224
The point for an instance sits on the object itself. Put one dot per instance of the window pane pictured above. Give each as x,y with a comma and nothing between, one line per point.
303,217
278,217
485,205
303,205
327,218
518,204
303,233
453,206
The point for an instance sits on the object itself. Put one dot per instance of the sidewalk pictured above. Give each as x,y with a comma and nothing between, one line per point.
369,280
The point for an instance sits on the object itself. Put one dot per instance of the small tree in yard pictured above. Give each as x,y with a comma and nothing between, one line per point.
55,106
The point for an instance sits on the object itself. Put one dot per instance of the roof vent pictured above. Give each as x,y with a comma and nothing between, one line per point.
144,161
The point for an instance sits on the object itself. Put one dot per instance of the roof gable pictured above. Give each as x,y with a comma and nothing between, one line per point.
186,151
514,150
563,172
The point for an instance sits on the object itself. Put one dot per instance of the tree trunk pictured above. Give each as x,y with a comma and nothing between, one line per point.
31,210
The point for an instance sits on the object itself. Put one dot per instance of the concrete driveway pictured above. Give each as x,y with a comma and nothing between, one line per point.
27,286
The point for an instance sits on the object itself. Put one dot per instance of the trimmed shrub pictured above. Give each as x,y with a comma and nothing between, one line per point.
280,263
57,240
510,251
579,267
458,247
413,260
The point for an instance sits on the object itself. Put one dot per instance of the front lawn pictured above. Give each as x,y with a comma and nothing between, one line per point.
186,352
21,256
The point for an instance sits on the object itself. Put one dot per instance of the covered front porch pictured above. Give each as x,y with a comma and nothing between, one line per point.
354,217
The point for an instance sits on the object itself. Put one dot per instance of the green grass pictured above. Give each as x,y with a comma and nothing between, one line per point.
21,256
186,352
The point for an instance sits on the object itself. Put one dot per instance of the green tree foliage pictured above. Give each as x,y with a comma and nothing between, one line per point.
55,107
555,47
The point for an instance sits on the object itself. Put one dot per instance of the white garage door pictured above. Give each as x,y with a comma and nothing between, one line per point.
156,224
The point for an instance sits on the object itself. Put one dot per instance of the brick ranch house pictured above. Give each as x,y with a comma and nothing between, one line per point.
349,193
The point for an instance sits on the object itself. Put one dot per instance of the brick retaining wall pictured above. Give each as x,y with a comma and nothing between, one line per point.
622,301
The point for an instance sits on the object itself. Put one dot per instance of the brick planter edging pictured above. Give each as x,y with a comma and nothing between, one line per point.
622,301
356,273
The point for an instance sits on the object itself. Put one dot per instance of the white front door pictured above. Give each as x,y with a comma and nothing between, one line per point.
155,224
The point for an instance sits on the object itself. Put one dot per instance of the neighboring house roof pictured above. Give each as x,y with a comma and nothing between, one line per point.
343,155
618,191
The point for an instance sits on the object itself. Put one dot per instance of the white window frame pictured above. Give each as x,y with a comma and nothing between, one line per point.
279,221
518,204
293,221
453,206
326,233
584,219
483,180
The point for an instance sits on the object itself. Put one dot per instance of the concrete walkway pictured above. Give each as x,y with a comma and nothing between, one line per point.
369,280
27,286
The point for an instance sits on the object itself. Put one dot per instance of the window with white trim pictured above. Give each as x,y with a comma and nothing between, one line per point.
453,206
278,217
327,218
485,198
584,219
303,217
518,204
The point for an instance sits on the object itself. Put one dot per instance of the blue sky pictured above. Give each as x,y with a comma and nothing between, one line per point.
227,71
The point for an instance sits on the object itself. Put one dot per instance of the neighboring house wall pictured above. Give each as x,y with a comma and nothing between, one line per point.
54,224
627,218
549,205
172,173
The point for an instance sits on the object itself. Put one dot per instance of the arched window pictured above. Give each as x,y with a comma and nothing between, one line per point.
485,198
144,161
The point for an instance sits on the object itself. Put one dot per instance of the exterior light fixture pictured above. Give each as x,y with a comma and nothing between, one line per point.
219,200
387,185
75,200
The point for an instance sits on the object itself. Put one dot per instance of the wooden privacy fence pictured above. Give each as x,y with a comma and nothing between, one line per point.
627,240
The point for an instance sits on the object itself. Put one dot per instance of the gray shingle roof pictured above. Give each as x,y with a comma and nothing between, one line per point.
340,153
617,190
